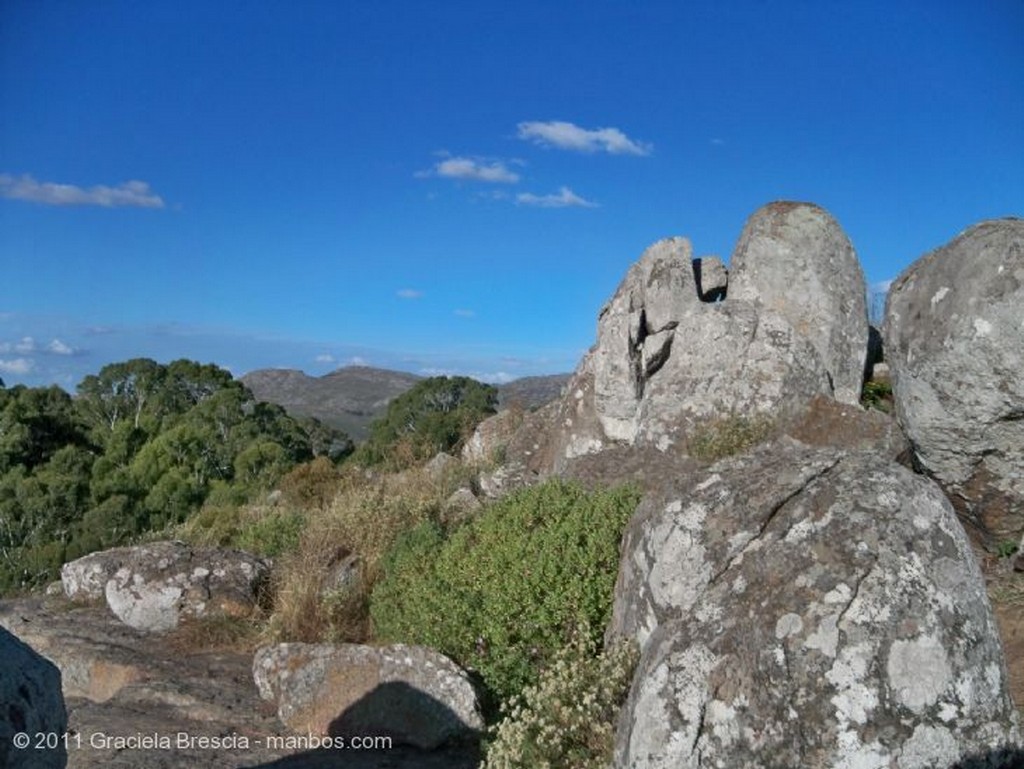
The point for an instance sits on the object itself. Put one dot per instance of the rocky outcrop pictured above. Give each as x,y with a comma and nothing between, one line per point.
32,708
410,693
809,607
954,341
152,587
683,343
795,259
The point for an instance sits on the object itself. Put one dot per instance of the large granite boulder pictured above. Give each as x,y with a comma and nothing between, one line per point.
412,694
808,607
31,707
154,586
954,341
795,259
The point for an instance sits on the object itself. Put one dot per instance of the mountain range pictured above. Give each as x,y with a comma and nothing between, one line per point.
350,398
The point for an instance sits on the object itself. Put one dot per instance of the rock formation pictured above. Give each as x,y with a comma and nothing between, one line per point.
795,259
153,586
32,709
954,341
413,694
807,607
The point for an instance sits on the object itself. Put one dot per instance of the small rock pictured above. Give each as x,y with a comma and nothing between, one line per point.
152,587
412,694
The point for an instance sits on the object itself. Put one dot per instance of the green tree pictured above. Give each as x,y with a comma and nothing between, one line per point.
437,414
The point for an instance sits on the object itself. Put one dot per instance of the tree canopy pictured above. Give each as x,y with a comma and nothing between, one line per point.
142,446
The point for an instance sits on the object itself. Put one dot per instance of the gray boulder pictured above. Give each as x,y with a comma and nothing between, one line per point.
413,694
795,259
32,706
807,607
954,341
152,587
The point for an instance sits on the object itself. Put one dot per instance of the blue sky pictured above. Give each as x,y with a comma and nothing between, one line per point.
457,187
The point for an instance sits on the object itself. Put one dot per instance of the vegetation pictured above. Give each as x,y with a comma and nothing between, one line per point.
567,719
142,447
727,436
502,593
436,415
877,394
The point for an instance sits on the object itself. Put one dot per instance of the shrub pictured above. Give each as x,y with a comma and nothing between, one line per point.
877,394
364,519
727,436
506,590
568,718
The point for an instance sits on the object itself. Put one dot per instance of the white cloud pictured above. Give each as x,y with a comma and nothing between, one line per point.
491,377
131,193
58,347
408,293
16,366
473,170
569,136
325,358
357,360
718,142
881,287
565,198
466,313
25,345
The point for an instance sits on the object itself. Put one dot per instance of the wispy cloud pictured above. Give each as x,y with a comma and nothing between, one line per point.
565,198
473,170
408,293
324,358
569,136
466,313
16,365
493,377
132,193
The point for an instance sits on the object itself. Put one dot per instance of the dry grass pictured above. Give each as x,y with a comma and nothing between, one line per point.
367,514
218,633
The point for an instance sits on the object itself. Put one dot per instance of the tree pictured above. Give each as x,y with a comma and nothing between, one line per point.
437,414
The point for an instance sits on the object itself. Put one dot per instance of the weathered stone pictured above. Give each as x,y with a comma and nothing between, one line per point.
656,292
491,437
954,340
827,422
410,693
807,607
31,705
712,278
462,504
121,683
729,360
440,465
795,259
153,586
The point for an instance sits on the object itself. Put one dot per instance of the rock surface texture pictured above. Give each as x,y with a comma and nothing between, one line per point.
31,704
154,586
412,694
954,341
122,683
684,344
795,259
808,607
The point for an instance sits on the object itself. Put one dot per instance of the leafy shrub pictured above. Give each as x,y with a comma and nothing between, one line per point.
568,718
727,436
277,532
877,394
506,590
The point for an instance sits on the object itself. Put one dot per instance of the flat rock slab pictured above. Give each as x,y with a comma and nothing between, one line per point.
123,687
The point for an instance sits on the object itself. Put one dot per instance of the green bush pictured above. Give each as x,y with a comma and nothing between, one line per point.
275,533
877,394
568,718
508,589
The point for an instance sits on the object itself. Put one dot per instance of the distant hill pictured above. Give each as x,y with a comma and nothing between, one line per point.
352,397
